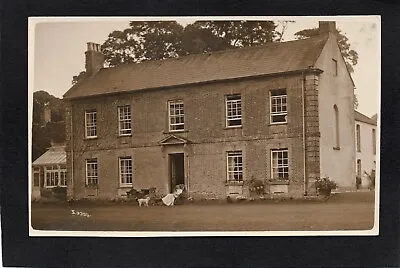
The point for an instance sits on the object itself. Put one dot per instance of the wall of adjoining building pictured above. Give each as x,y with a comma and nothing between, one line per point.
366,154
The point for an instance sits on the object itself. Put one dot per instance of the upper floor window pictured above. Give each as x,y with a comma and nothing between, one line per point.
90,124
124,120
334,67
125,171
374,141
176,115
280,164
337,131
278,106
233,110
92,178
358,138
234,166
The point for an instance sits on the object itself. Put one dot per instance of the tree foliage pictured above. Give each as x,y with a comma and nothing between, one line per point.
158,40
43,133
350,55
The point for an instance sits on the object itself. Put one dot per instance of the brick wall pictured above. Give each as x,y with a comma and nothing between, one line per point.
205,130
312,132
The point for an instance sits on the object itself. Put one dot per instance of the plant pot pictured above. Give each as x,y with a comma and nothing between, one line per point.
325,192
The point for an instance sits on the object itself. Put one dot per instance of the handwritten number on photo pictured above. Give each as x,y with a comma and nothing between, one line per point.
79,213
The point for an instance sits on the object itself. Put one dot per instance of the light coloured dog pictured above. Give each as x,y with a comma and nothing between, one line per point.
144,201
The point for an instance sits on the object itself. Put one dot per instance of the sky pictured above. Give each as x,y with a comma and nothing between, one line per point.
57,46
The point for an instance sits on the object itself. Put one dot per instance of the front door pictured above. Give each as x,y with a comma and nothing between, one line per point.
176,170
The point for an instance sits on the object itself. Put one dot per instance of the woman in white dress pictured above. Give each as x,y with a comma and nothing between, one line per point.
169,199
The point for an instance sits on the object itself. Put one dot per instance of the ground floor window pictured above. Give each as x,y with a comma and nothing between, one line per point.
359,168
36,177
63,178
125,171
54,176
91,172
235,166
279,164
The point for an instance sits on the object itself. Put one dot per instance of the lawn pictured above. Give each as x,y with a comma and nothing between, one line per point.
344,211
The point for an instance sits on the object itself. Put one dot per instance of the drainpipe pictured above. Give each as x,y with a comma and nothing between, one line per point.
72,155
304,133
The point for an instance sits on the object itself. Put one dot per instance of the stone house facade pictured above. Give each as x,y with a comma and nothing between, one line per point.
213,121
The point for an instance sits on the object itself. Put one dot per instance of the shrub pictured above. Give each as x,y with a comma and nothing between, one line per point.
60,193
255,186
46,192
371,178
325,185
358,182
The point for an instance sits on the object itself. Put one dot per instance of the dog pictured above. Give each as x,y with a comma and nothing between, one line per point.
144,201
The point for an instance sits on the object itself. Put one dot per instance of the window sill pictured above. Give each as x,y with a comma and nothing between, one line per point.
233,127
175,131
277,124
336,148
124,136
91,138
278,182
234,183
125,186
92,186
51,187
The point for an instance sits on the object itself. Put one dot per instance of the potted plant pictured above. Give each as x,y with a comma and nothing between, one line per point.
255,186
358,182
325,186
371,178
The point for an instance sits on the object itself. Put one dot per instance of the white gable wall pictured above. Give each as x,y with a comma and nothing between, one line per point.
337,164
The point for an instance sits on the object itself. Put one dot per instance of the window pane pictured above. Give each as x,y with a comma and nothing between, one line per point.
125,170
235,166
176,115
234,110
91,124
280,165
278,104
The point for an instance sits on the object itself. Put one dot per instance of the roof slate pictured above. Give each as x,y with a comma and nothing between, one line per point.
55,155
271,58
363,118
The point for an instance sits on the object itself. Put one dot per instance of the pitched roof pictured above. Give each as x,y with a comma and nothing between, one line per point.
363,118
55,155
271,58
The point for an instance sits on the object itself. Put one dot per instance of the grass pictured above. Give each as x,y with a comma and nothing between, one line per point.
344,211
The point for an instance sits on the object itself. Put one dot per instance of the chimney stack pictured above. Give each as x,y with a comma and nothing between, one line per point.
94,59
326,27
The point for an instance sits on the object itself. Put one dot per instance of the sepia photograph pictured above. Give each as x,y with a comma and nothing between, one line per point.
204,126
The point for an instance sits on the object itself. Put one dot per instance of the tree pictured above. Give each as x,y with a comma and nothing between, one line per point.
241,33
159,40
78,78
43,133
283,25
350,55
143,40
